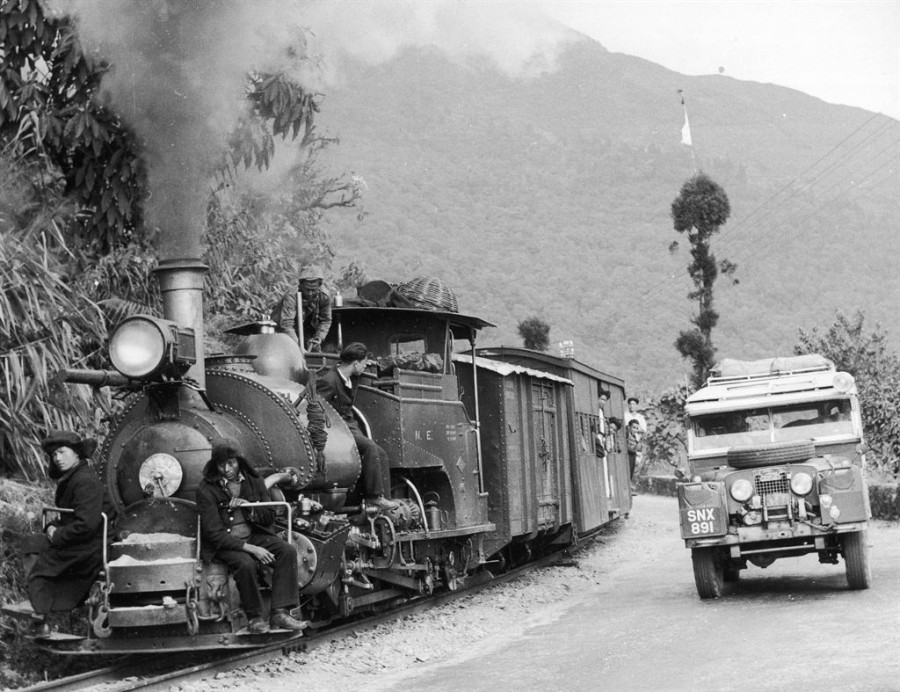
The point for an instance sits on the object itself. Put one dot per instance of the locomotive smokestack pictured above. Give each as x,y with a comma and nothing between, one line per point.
181,283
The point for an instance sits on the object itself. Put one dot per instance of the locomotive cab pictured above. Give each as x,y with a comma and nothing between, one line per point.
409,403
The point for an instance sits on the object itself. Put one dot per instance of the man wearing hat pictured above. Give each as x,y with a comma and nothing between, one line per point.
71,550
316,309
244,537
338,386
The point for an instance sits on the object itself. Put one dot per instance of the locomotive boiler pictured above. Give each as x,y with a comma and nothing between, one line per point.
492,458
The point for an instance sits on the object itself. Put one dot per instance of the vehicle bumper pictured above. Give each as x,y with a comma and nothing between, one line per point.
777,532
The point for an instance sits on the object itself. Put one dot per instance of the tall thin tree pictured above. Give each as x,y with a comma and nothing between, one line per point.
699,211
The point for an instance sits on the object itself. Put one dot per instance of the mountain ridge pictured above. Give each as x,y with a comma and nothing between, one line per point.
550,196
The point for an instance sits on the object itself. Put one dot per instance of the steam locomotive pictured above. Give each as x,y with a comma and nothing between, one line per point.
493,459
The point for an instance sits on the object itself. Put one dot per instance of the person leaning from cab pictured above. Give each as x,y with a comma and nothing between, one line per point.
338,386
316,309
243,538
70,551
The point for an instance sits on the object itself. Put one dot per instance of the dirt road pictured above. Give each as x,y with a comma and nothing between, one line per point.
627,617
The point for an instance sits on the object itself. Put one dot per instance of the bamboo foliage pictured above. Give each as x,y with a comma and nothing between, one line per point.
44,326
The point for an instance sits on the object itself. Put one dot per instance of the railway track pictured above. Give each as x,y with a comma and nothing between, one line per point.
137,673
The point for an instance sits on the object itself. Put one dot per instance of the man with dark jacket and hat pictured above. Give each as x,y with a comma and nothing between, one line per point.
71,549
316,309
338,386
243,537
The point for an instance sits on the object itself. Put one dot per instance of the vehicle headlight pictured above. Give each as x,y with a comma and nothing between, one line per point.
143,346
741,490
801,483
843,381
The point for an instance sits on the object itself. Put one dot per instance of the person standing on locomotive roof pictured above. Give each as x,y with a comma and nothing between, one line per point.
244,538
316,309
71,548
338,386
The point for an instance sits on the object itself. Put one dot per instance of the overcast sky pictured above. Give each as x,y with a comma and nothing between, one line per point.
842,51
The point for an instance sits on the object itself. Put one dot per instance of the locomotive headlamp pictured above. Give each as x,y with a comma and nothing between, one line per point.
741,490
801,483
843,381
145,347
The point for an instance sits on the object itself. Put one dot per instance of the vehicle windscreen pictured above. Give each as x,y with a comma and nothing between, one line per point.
820,419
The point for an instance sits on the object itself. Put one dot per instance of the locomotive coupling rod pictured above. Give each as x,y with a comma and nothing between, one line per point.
95,378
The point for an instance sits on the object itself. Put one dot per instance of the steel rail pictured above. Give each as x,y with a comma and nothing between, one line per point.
162,673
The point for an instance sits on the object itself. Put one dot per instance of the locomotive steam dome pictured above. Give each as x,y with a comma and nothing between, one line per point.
274,354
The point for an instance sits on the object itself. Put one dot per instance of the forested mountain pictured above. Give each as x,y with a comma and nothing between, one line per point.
550,196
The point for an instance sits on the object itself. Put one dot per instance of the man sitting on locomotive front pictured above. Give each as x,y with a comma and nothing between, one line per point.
71,548
338,386
244,538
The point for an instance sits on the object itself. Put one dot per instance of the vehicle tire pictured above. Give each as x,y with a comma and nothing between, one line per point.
770,454
855,547
709,573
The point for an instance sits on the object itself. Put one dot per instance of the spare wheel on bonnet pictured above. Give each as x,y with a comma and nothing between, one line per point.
770,454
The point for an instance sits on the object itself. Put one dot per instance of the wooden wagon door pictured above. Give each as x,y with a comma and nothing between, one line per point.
546,453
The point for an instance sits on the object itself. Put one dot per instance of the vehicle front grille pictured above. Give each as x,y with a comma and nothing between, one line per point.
771,485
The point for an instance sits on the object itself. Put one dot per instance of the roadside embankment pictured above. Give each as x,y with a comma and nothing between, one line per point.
884,497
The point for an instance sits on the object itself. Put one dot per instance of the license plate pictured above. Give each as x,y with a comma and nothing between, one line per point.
702,521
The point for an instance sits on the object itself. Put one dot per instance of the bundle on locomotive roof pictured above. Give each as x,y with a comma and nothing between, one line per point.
429,292
421,292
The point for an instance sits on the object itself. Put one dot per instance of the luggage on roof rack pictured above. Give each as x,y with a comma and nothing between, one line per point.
731,368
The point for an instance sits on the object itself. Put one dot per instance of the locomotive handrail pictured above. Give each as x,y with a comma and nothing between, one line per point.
477,414
46,509
278,503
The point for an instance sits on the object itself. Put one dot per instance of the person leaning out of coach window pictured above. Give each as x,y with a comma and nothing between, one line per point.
70,551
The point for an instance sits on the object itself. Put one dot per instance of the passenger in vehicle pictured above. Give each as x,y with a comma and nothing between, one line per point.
835,414
316,309
245,538
338,386
71,548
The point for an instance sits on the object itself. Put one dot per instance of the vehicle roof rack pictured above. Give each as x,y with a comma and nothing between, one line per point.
731,370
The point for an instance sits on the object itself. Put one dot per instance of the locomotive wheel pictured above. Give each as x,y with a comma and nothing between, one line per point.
426,585
346,605
450,572
426,581
709,573
856,556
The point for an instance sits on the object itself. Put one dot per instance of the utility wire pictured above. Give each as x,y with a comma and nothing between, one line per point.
655,290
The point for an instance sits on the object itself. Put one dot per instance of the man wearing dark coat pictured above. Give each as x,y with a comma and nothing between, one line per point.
71,550
244,538
338,386
316,309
